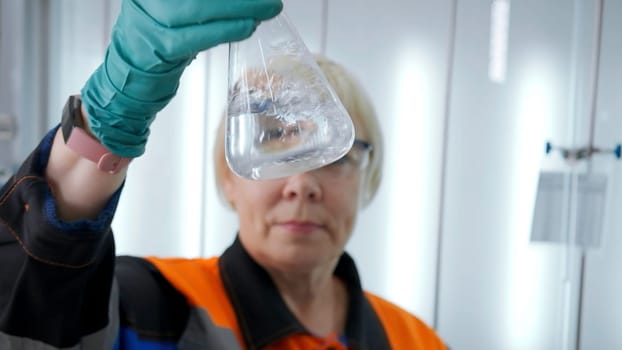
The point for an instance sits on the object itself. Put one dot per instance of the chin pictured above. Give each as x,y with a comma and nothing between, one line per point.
296,266
287,256
293,261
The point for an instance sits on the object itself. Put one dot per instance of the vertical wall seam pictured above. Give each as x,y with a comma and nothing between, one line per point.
591,137
204,146
107,27
444,155
45,69
596,69
324,27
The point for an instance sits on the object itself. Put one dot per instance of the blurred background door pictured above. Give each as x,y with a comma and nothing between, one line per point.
468,93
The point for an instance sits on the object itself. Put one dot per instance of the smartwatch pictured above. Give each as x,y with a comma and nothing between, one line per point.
85,145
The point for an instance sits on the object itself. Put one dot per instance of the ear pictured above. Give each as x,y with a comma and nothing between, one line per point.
228,188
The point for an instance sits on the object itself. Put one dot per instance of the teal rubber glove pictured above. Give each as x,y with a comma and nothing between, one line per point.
152,42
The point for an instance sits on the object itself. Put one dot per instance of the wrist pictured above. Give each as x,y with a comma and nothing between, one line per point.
80,140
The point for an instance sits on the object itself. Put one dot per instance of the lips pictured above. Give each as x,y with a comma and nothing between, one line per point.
296,226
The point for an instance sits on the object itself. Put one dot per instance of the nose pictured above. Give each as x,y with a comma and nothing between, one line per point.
304,186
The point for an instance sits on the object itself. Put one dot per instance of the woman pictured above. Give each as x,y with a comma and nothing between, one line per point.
285,283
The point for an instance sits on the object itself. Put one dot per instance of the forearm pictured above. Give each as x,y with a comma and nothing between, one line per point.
56,280
81,190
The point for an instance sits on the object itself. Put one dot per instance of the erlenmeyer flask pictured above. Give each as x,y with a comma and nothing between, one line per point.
283,117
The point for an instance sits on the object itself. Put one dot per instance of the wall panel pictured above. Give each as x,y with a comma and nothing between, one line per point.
399,51
499,290
602,306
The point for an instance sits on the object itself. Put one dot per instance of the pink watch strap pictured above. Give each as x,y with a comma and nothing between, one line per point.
87,147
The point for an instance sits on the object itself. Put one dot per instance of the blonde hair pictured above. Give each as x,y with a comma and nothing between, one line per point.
359,107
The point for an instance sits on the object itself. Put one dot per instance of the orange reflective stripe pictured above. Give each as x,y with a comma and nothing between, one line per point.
404,330
199,281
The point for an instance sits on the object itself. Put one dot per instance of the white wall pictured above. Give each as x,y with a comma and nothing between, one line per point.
506,289
463,155
22,69
602,310
401,58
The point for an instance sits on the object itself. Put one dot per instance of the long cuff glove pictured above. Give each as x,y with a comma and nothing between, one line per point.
152,42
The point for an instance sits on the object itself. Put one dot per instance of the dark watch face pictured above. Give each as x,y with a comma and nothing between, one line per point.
70,116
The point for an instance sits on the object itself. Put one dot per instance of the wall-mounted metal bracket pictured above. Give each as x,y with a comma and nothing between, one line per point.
582,153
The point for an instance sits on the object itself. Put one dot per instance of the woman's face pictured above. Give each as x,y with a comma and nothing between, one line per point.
297,223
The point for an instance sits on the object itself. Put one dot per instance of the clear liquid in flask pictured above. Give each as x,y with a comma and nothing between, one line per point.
283,117
275,139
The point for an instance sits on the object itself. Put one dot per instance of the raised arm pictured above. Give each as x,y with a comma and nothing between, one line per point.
56,246
152,42
80,188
